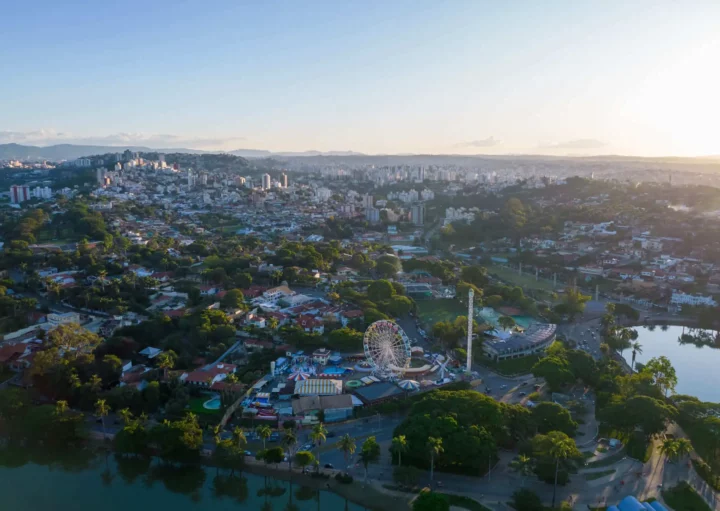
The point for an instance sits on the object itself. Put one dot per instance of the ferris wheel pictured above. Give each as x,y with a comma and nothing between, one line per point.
387,348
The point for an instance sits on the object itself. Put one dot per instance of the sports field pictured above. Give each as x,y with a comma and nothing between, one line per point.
432,311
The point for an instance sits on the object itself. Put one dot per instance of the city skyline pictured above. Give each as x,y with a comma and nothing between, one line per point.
410,77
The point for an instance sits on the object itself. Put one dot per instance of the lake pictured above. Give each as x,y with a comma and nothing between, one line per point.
89,483
695,366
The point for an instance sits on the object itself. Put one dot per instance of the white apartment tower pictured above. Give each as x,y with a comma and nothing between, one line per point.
284,180
266,182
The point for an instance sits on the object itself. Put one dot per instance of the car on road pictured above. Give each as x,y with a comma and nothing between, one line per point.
248,453
329,465
503,386
522,394
331,434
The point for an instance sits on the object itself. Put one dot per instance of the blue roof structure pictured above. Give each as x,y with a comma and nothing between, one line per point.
630,503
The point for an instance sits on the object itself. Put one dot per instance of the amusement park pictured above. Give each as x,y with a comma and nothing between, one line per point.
306,386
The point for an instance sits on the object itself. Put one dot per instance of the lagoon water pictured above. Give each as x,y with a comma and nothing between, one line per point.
89,483
696,367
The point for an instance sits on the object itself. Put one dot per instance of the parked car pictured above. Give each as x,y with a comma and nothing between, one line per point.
329,465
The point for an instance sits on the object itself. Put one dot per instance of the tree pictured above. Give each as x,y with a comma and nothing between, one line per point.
380,290
264,432
346,339
166,361
555,370
239,437
526,500
102,410
72,339
644,412
523,465
274,455
399,306
233,299
553,417
430,501
683,446
346,444
663,373
435,448
506,322
304,459
369,453
476,275
636,348
289,441
399,446
318,434
557,446
61,407
668,448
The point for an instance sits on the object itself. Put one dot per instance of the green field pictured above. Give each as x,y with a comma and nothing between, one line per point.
432,311
525,281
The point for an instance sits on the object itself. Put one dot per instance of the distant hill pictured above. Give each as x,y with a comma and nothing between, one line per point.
71,152
260,153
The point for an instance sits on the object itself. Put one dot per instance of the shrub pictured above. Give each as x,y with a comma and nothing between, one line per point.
526,500
430,501
344,478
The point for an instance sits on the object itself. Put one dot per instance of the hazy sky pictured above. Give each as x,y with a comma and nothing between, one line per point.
393,76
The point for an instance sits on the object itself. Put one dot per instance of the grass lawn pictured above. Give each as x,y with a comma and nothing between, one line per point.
510,366
684,498
526,280
464,502
196,406
432,311
597,475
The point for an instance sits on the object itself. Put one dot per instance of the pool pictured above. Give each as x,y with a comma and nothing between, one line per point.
336,371
213,404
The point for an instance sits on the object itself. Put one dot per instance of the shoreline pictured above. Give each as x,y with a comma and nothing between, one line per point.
357,492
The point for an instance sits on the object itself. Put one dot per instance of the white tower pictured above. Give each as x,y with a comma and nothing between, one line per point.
471,295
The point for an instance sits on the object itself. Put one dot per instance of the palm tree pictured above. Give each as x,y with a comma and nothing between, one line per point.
126,415
435,447
318,435
523,466
399,446
239,437
669,448
561,448
264,433
663,328
506,322
636,348
346,444
290,441
61,407
102,410
683,447
166,362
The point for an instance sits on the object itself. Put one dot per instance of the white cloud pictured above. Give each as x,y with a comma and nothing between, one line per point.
46,137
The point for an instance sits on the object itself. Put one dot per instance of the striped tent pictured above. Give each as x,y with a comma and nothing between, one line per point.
408,385
298,376
317,387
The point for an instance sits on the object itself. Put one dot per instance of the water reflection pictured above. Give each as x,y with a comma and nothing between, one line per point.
693,353
121,481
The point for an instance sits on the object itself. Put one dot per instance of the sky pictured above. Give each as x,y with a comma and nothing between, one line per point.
464,77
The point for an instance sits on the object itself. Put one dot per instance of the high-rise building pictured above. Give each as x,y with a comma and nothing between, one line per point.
190,179
266,181
372,215
368,201
203,179
42,192
418,214
19,193
284,180
100,175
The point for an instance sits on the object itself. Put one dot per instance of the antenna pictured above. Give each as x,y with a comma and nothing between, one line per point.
471,295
